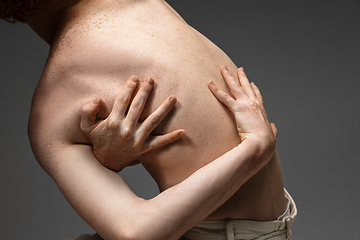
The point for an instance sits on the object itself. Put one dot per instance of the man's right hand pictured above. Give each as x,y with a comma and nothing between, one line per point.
120,139
248,109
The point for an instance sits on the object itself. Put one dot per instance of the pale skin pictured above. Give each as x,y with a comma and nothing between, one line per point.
95,47
120,139
175,210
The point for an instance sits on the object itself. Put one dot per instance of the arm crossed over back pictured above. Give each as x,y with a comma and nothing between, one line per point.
104,200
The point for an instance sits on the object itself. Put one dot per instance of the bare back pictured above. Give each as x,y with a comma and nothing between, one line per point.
105,43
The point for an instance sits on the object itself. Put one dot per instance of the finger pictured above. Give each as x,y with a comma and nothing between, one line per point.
138,104
232,83
244,82
162,140
226,99
257,93
260,100
274,129
122,100
88,114
157,116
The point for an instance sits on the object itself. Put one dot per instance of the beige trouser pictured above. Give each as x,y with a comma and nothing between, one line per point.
232,229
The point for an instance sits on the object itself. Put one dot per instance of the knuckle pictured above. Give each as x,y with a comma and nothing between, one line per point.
126,131
131,83
235,110
113,124
228,97
154,121
82,126
136,105
246,105
86,109
123,99
253,105
136,145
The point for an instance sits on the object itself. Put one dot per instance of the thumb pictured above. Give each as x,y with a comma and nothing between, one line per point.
88,114
274,129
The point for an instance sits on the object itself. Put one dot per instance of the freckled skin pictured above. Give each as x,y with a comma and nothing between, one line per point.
106,42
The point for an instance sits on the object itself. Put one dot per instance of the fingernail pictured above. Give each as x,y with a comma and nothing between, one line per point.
172,99
134,79
150,81
96,101
242,69
212,83
182,134
225,67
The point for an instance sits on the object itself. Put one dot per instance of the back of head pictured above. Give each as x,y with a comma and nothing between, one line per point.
18,10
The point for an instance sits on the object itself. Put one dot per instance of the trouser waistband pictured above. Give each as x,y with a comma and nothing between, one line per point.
232,229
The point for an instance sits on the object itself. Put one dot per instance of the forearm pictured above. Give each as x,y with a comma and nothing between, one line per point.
105,201
181,207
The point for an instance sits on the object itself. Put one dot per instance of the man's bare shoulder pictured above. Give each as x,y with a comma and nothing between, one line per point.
55,110
65,86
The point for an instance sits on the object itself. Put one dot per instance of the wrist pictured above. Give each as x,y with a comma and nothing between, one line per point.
262,148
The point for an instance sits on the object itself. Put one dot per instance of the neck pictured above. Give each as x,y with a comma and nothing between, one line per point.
48,23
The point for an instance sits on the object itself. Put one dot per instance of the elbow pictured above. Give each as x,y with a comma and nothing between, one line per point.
148,232
142,222
131,233
125,235
136,225
142,234
119,233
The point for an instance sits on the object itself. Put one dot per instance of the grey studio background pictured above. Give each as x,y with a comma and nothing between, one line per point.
304,56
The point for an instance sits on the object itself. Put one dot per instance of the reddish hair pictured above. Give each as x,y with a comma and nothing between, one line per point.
17,10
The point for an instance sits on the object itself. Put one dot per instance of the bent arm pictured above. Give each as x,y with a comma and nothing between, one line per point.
104,200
